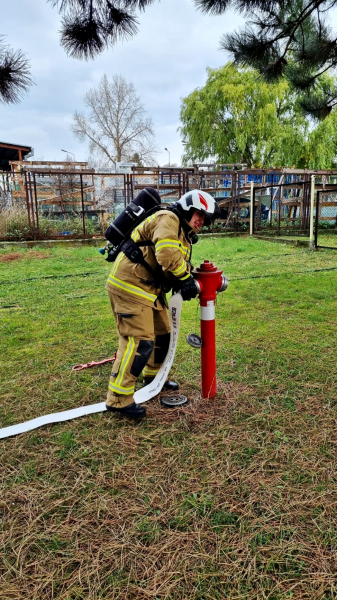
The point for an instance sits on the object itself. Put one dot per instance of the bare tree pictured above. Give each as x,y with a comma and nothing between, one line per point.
116,124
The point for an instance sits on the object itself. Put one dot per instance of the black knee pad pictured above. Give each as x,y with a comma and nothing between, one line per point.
161,347
142,356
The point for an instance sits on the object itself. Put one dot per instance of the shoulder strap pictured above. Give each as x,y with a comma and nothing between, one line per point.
133,252
147,243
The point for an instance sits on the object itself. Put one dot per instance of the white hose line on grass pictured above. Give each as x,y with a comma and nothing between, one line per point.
66,415
142,395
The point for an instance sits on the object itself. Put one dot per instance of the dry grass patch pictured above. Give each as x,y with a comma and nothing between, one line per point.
29,255
222,499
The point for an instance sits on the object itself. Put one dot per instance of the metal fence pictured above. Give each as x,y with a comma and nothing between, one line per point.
50,204
37,203
284,210
272,189
60,200
281,209
326,219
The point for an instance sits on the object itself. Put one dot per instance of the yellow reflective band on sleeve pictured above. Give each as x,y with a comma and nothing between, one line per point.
180,270
124,363
185,250
168,244
131,289
184,277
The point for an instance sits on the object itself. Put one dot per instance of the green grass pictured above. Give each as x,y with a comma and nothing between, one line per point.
228,498
325,238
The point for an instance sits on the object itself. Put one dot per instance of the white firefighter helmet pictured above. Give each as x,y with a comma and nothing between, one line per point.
199,200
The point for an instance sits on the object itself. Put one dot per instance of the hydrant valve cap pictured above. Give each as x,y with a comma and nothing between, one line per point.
207,267
224,284
199,286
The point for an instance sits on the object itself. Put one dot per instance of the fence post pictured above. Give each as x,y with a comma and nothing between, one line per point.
36,205
82,202
251,223
312,203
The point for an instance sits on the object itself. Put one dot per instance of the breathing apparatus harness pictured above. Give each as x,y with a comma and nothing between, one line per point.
119,232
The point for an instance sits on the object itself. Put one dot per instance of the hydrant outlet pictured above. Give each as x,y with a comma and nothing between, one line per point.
224,284
199,286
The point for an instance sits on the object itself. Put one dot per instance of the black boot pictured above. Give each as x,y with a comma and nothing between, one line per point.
133,411
170,386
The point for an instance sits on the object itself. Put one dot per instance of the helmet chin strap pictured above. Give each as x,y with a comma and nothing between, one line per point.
191,228
177,210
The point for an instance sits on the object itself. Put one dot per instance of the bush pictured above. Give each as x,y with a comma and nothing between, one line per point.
75,225
327,224
14,225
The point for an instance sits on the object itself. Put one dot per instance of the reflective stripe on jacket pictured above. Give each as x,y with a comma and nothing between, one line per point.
171,250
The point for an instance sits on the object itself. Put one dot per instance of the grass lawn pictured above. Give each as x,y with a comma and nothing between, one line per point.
228,498
325,238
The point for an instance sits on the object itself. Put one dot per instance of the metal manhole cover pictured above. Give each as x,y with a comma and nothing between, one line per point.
194,340
172,401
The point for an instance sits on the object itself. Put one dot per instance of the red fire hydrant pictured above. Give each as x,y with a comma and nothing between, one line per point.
211,281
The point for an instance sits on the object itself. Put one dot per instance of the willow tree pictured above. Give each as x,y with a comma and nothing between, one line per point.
321,148
238,118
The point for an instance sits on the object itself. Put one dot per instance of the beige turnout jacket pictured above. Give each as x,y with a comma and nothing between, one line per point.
171,249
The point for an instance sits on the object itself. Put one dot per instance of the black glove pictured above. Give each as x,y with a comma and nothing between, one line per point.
189,288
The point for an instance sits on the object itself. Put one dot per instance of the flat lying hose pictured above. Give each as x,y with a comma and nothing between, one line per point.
140,396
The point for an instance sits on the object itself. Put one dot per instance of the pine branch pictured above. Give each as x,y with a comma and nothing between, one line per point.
212,7
319,101
15,79
316,108
280,31
90,26
255,51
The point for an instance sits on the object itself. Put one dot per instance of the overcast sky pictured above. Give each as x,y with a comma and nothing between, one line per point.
166,61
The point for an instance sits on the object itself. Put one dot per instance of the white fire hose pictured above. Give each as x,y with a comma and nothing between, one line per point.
142,395
151,390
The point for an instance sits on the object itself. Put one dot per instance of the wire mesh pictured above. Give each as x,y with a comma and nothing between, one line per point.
55,203
74,201
282,209
326,219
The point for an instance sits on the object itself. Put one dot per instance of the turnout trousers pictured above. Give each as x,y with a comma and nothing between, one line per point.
144,337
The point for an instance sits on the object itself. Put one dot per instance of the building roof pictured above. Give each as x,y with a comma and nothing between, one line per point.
13,152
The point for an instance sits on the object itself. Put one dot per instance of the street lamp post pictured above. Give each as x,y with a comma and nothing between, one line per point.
169,156
67,152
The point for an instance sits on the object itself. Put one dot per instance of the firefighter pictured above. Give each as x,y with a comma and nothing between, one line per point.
137,285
